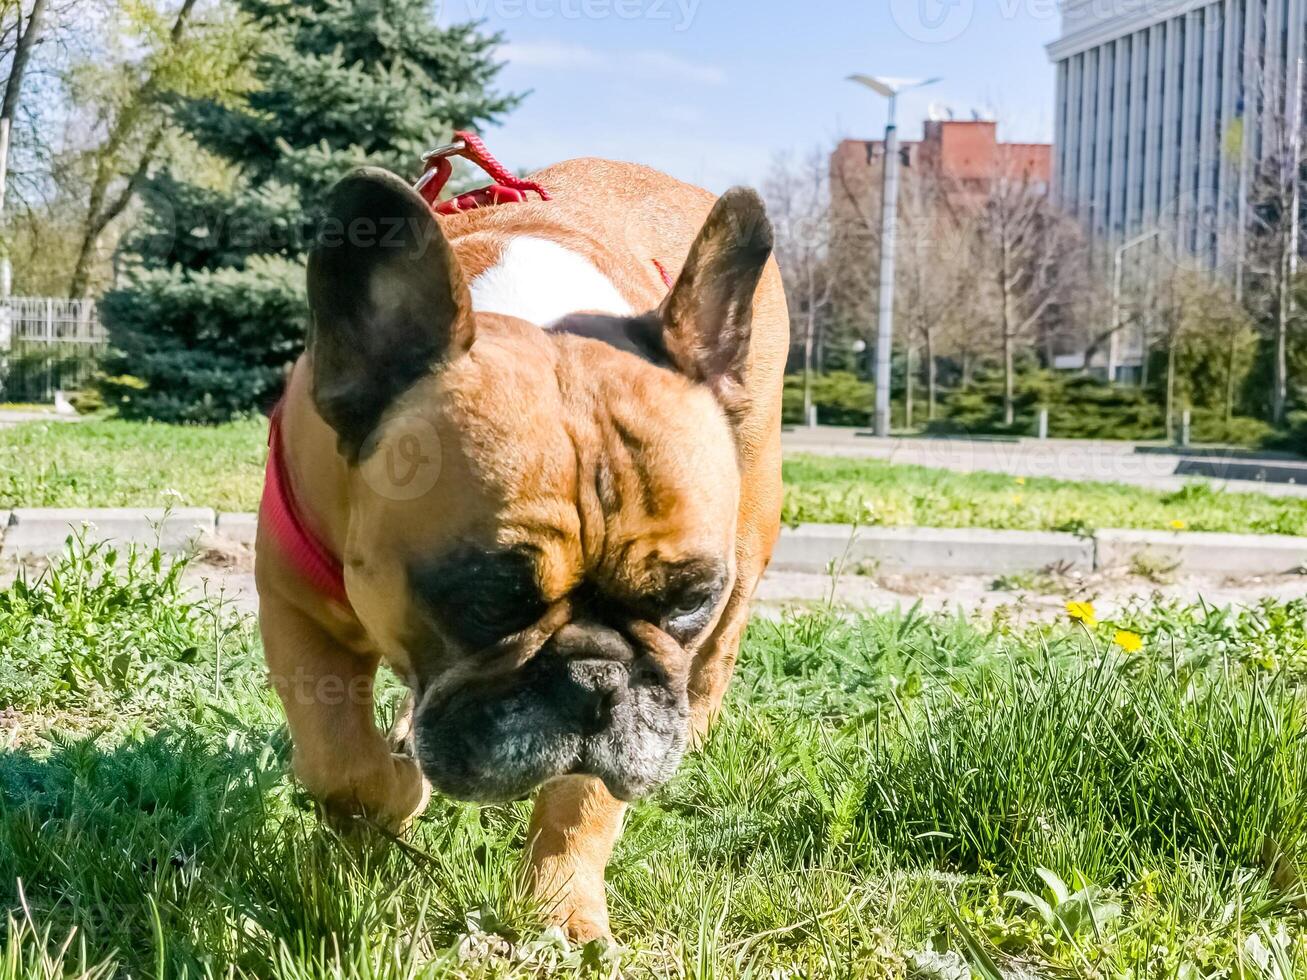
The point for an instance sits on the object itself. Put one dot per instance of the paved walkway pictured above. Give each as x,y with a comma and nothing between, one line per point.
1063,459
1045,599
16,416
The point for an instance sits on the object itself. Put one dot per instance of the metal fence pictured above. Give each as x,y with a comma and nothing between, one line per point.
47,345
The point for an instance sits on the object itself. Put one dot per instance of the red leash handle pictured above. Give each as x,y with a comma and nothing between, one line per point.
506,189
506,186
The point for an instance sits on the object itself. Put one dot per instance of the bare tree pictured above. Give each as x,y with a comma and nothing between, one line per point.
935,269
1180,291
798,199
1275,215
936,266
26,32
1024,242
976,260
21,31
855,202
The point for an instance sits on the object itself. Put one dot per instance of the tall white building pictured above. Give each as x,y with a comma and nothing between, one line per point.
1164,110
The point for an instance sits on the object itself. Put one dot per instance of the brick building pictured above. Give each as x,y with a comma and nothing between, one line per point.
949,172
966,156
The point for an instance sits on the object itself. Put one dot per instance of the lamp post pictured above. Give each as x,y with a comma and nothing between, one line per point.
890,88
1118,273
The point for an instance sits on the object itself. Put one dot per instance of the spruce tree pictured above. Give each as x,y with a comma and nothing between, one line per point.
212,310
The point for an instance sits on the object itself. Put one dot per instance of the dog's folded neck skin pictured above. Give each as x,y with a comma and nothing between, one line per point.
538,525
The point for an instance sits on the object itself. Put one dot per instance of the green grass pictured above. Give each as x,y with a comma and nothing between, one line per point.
128,464
883,792
113,463
865,491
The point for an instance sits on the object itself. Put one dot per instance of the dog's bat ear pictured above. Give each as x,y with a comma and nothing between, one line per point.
387,298
708,316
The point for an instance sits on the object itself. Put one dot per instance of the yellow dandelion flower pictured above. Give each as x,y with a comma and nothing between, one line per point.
1128,641
1178,525
1082,612
1021,481
1016,499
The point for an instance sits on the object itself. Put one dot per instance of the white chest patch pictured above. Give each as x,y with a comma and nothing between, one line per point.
540,281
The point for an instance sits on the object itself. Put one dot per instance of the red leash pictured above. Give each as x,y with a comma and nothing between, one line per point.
506,189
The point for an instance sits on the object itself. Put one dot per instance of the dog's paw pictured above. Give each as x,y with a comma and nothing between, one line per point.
581,915
587,929
390,797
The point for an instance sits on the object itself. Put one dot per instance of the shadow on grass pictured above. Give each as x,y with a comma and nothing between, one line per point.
125,842
183,853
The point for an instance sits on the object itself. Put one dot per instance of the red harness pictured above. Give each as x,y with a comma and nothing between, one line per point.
279,513
281,518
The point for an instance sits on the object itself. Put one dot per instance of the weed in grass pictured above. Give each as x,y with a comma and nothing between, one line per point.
1156,568
113,632
1046,582
26,954
1193,492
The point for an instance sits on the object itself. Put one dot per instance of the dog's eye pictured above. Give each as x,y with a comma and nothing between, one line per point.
688,615
481,596
487,622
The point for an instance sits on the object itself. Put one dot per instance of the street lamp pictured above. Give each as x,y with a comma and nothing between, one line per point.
1118,273
890,88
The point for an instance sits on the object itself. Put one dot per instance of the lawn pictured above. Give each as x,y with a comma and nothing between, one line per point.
128,464
132,464
885,795
866,491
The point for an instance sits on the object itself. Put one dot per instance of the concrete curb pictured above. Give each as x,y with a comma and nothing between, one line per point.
814,548
966,551
40,532
238,528
1228,554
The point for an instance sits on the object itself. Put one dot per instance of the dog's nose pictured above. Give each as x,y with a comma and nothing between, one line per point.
598,686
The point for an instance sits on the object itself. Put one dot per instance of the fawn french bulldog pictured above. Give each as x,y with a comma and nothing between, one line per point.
538,484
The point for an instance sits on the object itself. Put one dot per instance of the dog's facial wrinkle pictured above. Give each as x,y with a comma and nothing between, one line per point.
628,442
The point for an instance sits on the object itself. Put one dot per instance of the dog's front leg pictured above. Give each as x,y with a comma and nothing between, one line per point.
574,826
339,755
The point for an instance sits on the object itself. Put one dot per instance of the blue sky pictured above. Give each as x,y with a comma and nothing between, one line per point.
711,90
